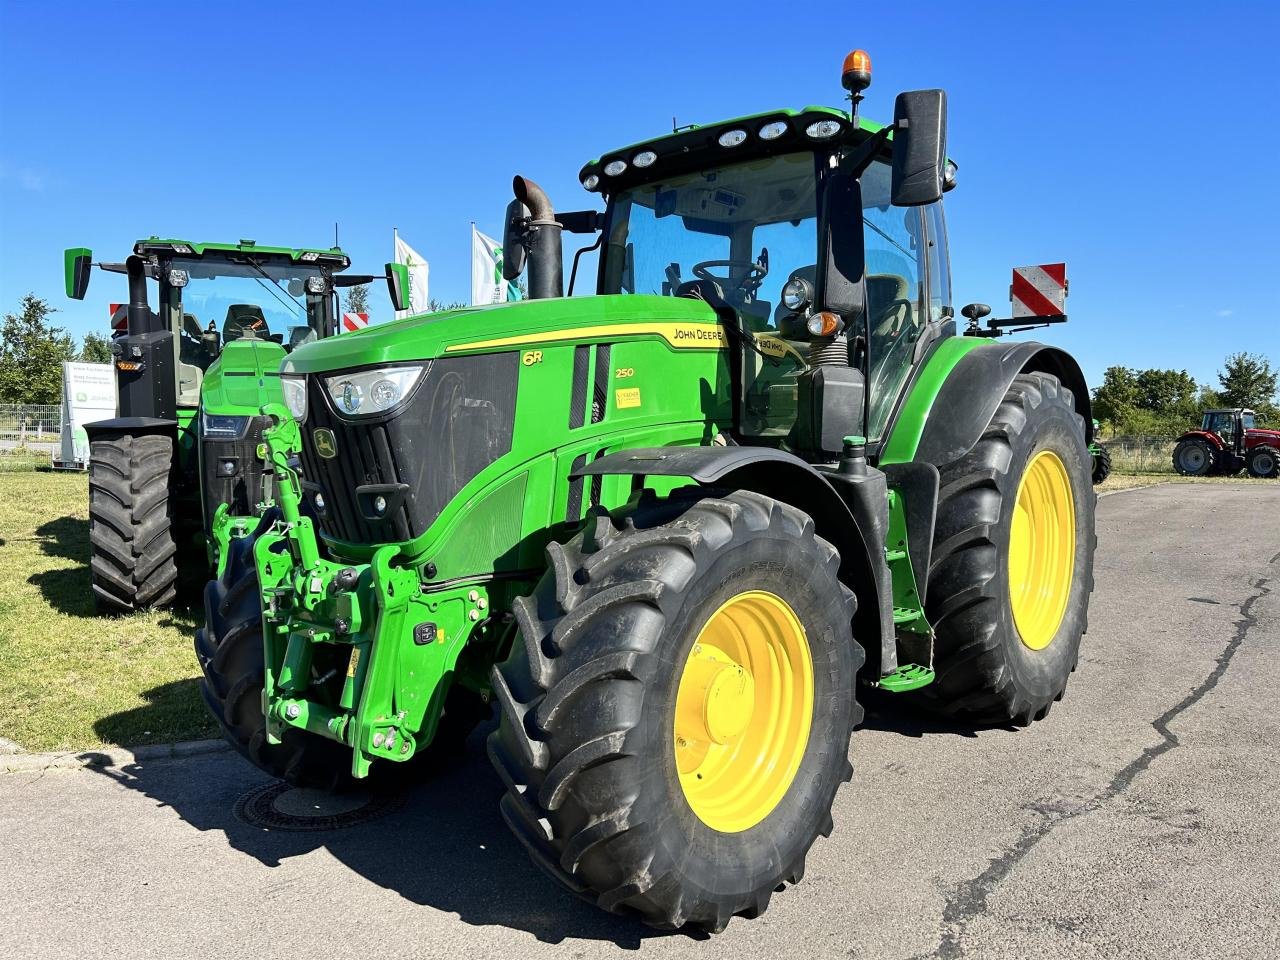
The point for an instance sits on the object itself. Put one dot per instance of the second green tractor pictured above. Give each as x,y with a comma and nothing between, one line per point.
672,529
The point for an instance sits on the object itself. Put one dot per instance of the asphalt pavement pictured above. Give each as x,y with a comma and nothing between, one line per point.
1141,819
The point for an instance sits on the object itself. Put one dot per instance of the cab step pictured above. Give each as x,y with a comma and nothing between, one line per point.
909,676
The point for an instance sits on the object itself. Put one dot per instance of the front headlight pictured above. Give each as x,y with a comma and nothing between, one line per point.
797,294
218,427
295,396
366,392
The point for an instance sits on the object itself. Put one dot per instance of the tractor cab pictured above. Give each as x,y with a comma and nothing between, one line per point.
1229,425
192,375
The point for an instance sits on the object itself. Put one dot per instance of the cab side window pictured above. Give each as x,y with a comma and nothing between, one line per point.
895,250
939,264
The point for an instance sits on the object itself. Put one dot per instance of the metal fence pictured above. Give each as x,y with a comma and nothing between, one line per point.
31,422
1141,454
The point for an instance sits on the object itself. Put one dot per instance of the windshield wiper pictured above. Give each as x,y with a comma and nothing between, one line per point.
889,238
289,304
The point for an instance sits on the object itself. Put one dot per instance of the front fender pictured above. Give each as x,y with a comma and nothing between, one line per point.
855,533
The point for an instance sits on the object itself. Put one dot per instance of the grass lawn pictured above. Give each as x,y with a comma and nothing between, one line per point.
70,679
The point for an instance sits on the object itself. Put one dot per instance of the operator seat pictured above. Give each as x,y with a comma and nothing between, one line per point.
244,320
888,306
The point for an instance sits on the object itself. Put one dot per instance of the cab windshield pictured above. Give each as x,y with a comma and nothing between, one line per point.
251,297
748,228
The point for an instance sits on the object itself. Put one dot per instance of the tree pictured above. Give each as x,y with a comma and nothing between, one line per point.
1248,381
31,354
358,298
1117,398
436,306
96,349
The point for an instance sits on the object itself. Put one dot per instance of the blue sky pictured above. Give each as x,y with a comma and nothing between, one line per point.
1135,141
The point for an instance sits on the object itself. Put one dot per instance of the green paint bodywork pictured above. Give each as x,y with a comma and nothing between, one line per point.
166,245
904,438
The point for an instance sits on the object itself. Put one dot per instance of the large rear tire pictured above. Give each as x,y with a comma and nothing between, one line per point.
132,547
1194,457
648,768
1013,560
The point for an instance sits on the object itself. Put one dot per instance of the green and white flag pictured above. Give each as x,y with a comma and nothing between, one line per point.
418,277
487,285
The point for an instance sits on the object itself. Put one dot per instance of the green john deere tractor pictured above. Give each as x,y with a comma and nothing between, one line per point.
1100,456
181,461
671,528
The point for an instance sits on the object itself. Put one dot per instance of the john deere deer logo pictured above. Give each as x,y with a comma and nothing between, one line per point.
326,445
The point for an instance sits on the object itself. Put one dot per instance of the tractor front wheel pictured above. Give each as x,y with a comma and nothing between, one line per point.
131,542
1263,462
1101,464
1194,458
1013,560
675,715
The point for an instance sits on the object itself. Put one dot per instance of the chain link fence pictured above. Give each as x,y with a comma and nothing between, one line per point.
1141,454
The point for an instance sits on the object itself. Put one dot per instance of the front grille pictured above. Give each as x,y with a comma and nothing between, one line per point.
457,421
242,491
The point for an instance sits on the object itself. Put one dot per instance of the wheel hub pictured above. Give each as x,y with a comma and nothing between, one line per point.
1042,547
744,707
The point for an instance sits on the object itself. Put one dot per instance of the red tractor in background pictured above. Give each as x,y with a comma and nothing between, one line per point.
1226,443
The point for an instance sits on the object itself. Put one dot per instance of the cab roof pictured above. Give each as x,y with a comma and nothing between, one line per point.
698,145
333,257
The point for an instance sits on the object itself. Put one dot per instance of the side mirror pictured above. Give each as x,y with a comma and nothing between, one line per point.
398,285
513,251
77,262
919,147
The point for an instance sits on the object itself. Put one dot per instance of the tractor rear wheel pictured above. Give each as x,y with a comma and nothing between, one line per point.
1013,560
675,714
131,539
1263,462
1101,464
1193,457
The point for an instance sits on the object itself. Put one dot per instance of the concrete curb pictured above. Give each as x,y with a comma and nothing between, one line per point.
108,756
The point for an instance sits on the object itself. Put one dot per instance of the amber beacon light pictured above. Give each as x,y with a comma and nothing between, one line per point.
856,75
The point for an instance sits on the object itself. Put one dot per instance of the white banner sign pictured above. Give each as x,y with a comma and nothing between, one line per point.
418,276
487,285
88,394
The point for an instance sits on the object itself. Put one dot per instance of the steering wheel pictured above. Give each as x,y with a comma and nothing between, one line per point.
753,272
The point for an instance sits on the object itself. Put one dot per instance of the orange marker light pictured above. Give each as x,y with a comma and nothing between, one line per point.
825,324
856,75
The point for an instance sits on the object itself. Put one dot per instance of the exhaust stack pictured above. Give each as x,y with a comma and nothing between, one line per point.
541,238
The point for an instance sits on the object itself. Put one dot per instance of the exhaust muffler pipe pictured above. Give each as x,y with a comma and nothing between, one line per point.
541,240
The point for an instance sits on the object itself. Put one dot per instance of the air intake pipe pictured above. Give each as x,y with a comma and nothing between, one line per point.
541,240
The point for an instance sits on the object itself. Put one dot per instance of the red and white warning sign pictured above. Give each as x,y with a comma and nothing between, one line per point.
1039,291
354,321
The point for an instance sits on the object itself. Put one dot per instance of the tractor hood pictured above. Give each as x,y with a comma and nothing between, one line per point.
244,377
512,326
1265,436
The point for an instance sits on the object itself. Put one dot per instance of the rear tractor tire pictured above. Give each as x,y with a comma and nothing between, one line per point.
1101,464
131,539
675,713
230,651
1012,562
1263,462
1195,458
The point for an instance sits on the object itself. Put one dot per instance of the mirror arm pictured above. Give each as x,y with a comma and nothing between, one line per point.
859,160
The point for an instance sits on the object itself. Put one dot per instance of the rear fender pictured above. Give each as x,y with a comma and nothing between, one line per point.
1210,438
785,477
966,400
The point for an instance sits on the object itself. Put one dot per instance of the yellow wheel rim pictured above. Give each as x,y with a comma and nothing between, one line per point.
743,711
1042,549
